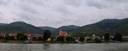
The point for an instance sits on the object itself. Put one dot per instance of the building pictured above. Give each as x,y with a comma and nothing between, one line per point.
29,36
13,34
62,33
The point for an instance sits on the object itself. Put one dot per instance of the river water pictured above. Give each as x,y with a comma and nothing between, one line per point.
65,47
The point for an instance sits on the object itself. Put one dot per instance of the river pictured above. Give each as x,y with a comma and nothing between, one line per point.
65,47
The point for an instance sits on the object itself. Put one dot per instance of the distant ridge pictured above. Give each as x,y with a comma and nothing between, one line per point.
56,31
17,27
107,25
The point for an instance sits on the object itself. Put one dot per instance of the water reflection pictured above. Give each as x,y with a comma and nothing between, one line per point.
65,47
46,46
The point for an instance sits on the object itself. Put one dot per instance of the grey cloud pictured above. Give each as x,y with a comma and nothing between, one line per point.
75,3
28,8
4,2
119,1
63,10
36,2
99,4
105,3
1,14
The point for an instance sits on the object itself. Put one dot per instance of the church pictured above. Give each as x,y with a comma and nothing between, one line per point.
62,33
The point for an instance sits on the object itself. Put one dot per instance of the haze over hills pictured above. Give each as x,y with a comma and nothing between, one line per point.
108,25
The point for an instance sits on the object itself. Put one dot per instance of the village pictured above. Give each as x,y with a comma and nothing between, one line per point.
62,37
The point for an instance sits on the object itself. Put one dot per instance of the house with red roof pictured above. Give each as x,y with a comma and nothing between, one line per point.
30,36
124,36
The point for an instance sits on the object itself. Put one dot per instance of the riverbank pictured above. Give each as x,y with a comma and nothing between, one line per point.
50,42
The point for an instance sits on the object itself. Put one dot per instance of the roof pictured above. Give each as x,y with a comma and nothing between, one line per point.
63,33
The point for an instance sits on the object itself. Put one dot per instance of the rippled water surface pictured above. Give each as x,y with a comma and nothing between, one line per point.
65,47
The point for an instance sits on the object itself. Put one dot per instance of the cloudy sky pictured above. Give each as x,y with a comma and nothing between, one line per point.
56,13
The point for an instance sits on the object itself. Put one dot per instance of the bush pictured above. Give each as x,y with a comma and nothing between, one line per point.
60,38
4,41
69,39
21,36
82,39
34,39
125,39
97,40
88,39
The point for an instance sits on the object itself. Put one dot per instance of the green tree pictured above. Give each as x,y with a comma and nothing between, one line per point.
21,36
34,39
82,39
69,39
106,37
53,38
1,37
118,37
97,40
39,38
6,37
11,37
47,34
60,38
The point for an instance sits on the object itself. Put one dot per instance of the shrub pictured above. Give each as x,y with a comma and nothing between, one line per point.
60,38
82,39
97,40
69,39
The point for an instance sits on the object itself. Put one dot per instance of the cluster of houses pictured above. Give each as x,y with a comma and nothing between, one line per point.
29,36
62,33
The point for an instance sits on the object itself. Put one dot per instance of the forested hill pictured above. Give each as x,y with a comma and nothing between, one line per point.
108,25
17,27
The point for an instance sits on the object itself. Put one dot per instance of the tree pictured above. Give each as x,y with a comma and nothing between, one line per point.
39,38
21,36
47,34
6,37
1,37
11,37
118,37
69,39
82,39
60,38
97,40
34,39
53,38
106,37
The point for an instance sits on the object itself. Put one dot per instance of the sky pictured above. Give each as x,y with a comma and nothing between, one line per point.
56,13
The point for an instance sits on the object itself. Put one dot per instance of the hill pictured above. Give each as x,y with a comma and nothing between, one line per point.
17,27
108,25
48,28
65,28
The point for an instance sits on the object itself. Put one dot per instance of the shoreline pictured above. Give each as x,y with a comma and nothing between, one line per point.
59,43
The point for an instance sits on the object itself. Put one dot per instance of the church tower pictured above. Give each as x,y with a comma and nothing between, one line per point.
60,31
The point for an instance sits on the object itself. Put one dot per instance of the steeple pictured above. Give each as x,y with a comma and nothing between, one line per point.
60,30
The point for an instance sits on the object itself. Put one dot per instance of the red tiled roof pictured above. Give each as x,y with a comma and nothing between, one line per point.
12,34
63,33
